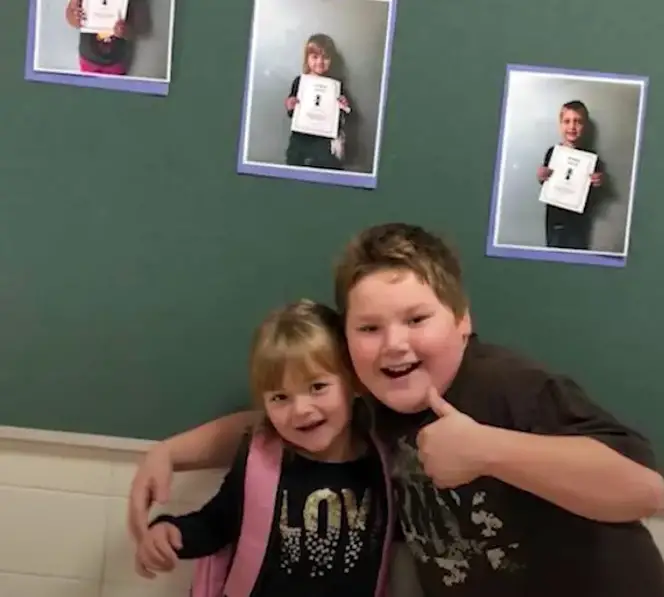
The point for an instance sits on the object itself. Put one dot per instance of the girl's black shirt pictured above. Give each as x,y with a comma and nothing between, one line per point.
327,534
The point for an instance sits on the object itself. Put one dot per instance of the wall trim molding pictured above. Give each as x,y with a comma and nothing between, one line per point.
81,440
88,440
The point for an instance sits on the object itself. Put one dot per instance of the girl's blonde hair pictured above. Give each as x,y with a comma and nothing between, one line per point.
303,339
318,43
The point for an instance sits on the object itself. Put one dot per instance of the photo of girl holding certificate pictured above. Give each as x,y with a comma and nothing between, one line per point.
108,53
320,59
316,85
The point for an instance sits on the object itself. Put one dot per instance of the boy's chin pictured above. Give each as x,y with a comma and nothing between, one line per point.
407,405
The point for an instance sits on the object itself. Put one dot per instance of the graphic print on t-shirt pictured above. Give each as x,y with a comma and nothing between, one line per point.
317,540
453,532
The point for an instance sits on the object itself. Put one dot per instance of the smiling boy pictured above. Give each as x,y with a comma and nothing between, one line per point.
567,229
509,480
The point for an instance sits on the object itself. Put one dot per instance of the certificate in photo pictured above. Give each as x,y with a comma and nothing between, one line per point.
317,109
102,15
569,183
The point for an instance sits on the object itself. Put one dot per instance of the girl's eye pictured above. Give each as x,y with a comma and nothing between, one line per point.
279,397
318,387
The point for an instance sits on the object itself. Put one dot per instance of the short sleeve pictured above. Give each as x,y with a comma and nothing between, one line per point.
599,165
547,157
295,86
563,408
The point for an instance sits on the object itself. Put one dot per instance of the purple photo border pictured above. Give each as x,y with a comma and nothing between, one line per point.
333,177
580,257
93,81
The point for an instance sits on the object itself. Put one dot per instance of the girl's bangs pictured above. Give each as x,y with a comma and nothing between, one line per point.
299,361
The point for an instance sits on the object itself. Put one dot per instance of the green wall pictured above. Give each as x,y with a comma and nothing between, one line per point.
134,262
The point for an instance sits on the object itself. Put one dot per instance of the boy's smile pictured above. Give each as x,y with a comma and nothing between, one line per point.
397,371
402,339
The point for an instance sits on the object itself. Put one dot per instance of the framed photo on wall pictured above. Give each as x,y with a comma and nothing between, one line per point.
316,88
566,167
119,45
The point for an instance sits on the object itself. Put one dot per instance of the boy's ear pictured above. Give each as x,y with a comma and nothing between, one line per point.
465,324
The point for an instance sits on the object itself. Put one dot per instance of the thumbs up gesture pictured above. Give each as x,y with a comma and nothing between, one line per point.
454,449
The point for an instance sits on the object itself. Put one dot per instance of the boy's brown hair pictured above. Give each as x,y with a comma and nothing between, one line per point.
398,246
576,106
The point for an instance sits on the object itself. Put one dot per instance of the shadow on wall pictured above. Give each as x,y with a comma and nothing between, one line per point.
532,127
604,195
57,48
600,207
281,29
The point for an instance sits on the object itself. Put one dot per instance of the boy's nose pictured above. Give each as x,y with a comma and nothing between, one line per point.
395,340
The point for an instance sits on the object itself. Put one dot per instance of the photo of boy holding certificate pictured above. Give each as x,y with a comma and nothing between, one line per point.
566,167
565,228
308,146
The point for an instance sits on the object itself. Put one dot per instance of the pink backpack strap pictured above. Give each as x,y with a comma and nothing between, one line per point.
233,572
382,588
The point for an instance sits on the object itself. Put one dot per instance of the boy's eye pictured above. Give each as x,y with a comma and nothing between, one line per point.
367,328
418,319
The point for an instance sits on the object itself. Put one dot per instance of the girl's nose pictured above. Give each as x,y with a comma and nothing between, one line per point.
302,405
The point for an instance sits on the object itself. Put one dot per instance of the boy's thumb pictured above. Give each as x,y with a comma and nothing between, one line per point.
439,405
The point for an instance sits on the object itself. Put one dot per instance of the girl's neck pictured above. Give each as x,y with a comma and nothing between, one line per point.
347,447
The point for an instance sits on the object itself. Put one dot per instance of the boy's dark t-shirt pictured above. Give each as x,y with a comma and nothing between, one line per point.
556,216
488,538
327,534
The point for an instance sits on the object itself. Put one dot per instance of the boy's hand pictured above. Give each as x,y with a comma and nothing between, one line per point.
291,102
596,179
156,551
454,449
544,173
151,483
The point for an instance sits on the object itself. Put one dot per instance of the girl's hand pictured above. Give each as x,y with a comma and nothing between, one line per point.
343,101
156,551
291,102
544,173
120,28
596,179
77,13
